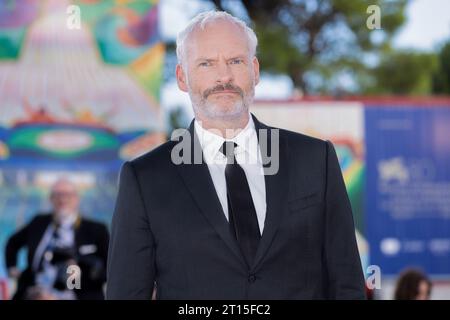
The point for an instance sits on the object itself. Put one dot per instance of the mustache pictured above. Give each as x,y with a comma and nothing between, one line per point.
221,88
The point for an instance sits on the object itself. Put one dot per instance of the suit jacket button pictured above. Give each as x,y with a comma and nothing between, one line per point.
251,278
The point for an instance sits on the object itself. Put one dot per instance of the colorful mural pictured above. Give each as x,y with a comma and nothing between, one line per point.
74,101
343,124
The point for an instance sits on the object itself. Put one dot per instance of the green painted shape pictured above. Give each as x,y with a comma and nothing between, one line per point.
11,42
27,138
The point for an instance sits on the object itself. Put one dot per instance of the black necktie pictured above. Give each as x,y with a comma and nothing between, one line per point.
241,210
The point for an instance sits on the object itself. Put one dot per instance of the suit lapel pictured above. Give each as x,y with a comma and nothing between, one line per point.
199,183
276,189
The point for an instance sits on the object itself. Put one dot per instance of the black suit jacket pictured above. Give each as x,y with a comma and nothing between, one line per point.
92,264
169,228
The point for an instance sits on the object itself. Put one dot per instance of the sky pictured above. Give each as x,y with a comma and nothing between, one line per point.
428,21
427,27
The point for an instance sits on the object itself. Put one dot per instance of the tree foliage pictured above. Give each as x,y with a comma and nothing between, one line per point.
314,41
404,73
441,78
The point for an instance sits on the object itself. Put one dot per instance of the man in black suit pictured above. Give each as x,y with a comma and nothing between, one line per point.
231,208
61,245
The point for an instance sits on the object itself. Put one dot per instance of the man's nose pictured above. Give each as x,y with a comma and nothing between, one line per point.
224,73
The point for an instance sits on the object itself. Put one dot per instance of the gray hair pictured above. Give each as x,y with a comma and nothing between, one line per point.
200,21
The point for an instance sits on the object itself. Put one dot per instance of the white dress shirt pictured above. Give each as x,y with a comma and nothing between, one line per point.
54,237
247,155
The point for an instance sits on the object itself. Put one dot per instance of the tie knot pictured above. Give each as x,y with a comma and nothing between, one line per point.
227,149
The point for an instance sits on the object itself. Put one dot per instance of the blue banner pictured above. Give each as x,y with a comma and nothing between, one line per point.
408,188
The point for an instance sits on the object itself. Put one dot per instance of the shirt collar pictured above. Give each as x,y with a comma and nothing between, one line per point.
210,142
68,221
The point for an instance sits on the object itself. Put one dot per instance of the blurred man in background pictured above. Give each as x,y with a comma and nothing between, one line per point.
55,241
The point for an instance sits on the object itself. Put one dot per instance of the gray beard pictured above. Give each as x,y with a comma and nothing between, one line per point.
211,111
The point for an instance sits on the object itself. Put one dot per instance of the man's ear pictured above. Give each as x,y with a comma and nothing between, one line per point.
181,78
256,69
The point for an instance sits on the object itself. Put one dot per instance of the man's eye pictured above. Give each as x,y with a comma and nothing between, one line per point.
204,64
237,61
